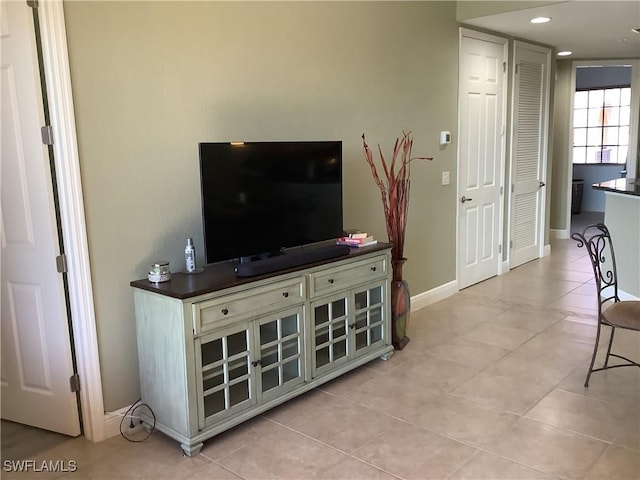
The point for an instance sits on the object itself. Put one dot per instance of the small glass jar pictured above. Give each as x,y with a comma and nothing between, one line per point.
160,272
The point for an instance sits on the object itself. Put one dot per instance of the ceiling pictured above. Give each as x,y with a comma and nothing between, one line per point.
590,29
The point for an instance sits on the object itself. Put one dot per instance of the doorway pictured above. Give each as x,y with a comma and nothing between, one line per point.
37,361
588,164
96,425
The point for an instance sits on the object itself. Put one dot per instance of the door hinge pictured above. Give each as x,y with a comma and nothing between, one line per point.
501,190
61,263
499,248
74,382
513,187
504,67
47,135
32,3
510,243
517,65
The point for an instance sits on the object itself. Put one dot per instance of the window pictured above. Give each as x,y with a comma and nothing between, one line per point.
601,125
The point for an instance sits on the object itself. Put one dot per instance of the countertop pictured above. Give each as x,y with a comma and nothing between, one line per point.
626,186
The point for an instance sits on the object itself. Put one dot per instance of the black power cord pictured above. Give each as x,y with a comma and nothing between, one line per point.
131,414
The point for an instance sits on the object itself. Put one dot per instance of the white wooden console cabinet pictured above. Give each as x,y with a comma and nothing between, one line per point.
215,350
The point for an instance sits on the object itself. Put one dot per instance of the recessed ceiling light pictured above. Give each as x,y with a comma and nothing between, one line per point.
540,20
565,53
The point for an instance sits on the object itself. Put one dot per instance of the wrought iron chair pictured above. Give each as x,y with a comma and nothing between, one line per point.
612,311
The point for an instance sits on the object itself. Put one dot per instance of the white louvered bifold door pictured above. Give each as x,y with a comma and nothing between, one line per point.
528,159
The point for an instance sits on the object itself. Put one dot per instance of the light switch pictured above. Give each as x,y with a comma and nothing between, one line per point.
445,178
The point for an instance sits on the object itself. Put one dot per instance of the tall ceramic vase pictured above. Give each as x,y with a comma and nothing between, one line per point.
400,305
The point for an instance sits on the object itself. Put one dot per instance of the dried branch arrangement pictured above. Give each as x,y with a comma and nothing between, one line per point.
394,188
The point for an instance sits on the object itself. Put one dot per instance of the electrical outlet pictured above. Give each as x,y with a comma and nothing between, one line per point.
138,426
445,178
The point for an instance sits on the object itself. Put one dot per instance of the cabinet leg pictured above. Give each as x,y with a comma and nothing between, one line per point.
191,450
386,356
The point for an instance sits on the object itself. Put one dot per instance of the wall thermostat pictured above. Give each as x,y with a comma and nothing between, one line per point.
445,138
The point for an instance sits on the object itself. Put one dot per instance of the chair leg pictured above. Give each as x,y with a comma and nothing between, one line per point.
606,360
593,357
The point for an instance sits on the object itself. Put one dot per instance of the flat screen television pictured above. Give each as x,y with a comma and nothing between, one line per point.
259,198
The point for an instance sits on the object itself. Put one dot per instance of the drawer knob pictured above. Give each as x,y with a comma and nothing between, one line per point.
225,311
330,280
256,363
285,294
373,269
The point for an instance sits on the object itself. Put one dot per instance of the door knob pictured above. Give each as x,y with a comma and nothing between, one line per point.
465,199
542,184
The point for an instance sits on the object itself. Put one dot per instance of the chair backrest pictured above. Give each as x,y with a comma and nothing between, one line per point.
597,241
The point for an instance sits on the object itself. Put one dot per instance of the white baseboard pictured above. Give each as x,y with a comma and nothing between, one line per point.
112,421
626,296
434,295
546,251
555,234
504,268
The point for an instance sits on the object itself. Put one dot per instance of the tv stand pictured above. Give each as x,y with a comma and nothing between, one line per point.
215,350
291,259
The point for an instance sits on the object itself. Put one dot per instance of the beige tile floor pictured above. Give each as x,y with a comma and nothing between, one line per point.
490,387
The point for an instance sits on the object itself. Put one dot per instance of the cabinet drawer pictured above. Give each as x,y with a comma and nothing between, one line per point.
347,276
269,298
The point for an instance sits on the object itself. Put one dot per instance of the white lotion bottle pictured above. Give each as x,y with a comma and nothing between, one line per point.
190,256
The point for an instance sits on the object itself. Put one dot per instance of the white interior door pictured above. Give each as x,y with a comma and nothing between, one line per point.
36,348
481,155
528,156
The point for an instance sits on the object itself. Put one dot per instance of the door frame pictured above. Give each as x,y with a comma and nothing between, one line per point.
58,83
502,267
634,128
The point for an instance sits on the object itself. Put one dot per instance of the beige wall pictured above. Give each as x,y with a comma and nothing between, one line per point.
152,79
559,155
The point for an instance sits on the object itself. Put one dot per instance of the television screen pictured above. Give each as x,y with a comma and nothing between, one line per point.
261,197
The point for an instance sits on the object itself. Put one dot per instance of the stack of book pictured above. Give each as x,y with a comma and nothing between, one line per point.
357,239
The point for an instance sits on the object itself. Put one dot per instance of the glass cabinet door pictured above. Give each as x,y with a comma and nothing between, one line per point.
330,336
224,374
281,352
369,311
